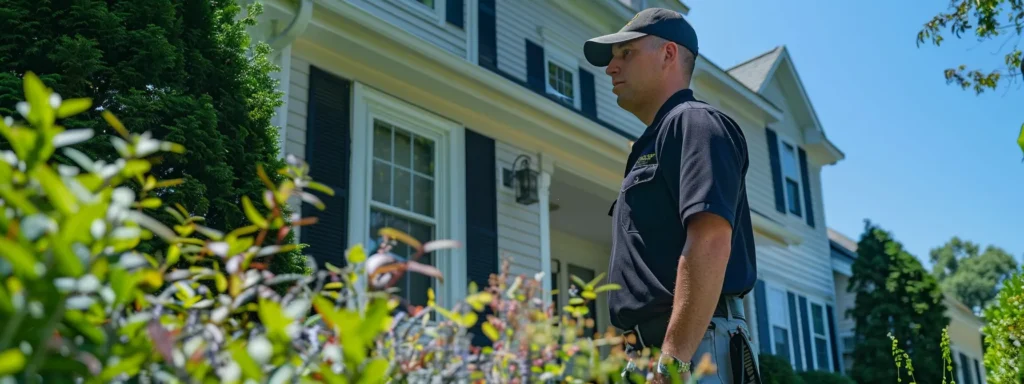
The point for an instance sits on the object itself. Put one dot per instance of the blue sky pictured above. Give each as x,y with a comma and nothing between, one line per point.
924,160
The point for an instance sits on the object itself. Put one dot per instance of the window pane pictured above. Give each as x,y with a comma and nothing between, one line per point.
381,182
793,194
381,141
789,163
821,349
403,189
413,286
781,336
819,321
403,148
423,192
423,156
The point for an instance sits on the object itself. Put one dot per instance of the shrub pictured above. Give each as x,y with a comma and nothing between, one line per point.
1004,333
776,370
821,377
79,302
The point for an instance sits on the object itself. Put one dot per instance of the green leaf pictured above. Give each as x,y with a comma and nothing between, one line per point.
11,361
38,96
374,371
135,167
92,332
254,215
356,254
73,107
272,316
607,287
596,279
576,301
490,331
249,366
1020,138
589,295
579,282
20,258
129,364
60,196
320,187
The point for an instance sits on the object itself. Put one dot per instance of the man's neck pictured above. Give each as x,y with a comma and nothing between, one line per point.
651,109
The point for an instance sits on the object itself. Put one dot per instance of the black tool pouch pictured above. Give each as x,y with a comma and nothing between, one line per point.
744,369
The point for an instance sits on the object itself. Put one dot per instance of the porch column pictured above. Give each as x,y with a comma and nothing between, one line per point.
547,167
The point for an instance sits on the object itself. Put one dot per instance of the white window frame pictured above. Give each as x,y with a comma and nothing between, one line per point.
784,322
434,15
810,329
556,50
797,177
449,197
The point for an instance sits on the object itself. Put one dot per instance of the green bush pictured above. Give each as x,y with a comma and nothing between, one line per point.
1004,333
820,377
79,302
776,370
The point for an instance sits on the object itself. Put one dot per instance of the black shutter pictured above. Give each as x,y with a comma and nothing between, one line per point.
966,364
588,98
806,177
773,156
832,337
328,150
487,34
794,330
535,66
977,371
454,12
806,320
761,302
481,217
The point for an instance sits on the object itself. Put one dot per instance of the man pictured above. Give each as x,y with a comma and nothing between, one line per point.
683,247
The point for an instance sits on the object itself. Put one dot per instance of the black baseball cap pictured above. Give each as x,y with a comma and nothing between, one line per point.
667,24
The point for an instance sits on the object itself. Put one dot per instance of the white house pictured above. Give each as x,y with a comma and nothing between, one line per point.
420,113
965,337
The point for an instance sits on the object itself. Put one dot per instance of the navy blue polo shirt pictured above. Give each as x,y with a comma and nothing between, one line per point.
691,159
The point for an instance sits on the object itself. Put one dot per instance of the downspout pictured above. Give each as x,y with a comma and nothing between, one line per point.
281,44
298,25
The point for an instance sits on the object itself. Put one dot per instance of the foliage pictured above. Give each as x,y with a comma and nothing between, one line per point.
972,276
81,302
986,20
186,71
776,370
904,361
822,377
1004,333
896,297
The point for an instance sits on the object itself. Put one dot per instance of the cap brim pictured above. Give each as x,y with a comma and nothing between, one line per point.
598,50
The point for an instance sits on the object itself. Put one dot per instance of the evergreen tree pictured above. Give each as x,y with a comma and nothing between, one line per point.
895,296
184,69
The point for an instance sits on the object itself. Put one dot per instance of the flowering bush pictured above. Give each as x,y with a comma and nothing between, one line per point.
1004,333
79,302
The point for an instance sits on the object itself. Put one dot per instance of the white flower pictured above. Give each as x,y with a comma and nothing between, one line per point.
71,137
23,108
55,100
123,196
88,284
98,228
9,121
260,349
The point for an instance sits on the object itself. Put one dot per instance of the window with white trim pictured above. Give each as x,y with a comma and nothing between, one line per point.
561,74
819,337
402,197
778,320
405,162
791,181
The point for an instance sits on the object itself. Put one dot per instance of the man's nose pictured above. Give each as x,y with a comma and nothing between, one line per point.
612,68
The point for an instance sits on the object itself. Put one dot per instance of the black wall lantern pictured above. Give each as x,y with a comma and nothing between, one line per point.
523,179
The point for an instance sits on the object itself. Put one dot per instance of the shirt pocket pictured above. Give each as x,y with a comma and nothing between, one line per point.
635,192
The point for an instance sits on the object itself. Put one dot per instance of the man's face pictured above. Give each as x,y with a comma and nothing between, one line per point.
636,71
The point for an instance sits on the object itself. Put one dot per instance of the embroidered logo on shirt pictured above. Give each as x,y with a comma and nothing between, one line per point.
646,159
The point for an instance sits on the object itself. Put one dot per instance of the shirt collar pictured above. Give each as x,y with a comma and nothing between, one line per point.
677,98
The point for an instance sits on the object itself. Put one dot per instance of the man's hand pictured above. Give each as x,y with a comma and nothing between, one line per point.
698,283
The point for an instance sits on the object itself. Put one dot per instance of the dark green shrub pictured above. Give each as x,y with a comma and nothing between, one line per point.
775,370
819,377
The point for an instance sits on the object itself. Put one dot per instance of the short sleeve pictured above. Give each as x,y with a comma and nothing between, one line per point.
704,157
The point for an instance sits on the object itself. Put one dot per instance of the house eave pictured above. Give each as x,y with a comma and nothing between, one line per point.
774,230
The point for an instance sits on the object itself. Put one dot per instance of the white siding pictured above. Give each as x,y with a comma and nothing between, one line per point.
518,20
808,264
298,97
518,225
416,19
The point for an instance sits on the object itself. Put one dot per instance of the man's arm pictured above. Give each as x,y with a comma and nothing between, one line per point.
706,150
699,280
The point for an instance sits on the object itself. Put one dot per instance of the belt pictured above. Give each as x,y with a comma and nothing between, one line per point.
651,333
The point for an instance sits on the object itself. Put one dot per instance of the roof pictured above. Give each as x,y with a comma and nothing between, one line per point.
754,72
841,244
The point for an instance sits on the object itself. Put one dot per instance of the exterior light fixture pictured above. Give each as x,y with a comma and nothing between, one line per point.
523,179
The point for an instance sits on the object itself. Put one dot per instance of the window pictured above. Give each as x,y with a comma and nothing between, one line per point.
429,3
405,163
430,10
790,176
778,318
819,334
561,69
403,192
